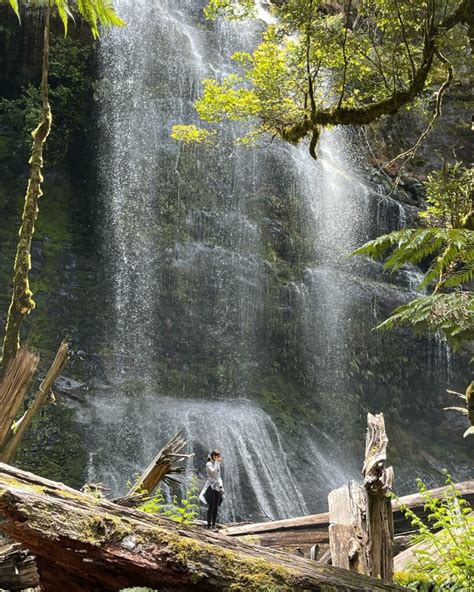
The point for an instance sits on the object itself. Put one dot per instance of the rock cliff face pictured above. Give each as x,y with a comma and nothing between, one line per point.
243,328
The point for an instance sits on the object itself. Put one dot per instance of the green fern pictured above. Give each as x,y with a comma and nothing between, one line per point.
452,314
94,12
448,246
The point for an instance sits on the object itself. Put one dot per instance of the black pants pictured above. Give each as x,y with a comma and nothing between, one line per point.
213,501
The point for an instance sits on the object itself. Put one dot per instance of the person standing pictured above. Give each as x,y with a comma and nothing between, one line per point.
213,489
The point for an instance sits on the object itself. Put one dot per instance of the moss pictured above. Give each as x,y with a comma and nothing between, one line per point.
102,528
245,574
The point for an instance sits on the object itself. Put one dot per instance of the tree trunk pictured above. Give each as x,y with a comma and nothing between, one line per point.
22,302
162,468
83,543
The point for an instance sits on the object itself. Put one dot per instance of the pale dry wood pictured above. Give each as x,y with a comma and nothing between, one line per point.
378,482
163,467
320,522
348,535
43,395
83,543
13,389
298,535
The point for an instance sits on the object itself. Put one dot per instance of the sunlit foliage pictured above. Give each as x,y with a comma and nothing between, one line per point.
337,63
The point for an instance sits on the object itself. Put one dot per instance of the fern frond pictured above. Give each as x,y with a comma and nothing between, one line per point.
99,12
14,5
376,249
459,277
452,314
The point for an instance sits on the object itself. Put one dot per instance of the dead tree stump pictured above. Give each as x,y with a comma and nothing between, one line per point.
361,521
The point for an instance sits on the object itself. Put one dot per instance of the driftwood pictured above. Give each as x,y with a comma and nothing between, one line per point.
298,535
83,543
13,389
361,523
43,396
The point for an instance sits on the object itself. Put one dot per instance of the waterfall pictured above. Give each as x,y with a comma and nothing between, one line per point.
233,310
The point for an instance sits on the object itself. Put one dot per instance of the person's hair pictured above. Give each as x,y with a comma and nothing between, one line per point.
213,453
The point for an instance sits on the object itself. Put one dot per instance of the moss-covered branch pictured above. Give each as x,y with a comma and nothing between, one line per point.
22,302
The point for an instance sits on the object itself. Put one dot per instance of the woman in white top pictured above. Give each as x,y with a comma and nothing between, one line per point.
214,488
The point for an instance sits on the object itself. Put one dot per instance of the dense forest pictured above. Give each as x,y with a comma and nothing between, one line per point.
241,227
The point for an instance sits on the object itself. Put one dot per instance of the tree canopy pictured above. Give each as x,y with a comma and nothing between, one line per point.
325,63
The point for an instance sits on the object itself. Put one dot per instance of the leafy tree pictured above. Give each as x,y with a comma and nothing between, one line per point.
447,241
95,13
346,62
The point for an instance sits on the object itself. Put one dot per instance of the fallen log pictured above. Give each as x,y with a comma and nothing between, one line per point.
300,534
84,543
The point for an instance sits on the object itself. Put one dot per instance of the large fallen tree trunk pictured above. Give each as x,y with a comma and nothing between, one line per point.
83,543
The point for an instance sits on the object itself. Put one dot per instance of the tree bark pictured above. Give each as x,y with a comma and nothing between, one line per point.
22,302
362,115
83,543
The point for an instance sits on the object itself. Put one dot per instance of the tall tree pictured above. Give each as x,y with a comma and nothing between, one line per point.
95,13
344,62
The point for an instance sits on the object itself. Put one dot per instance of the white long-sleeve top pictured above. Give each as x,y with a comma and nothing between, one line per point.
213,469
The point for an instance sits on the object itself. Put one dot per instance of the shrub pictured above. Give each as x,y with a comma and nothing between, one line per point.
446,559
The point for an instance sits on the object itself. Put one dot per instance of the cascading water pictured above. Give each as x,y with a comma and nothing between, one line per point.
236,315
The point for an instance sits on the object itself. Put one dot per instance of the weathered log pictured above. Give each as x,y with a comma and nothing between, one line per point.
83,543
17,568
298,535
348,532
378,482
